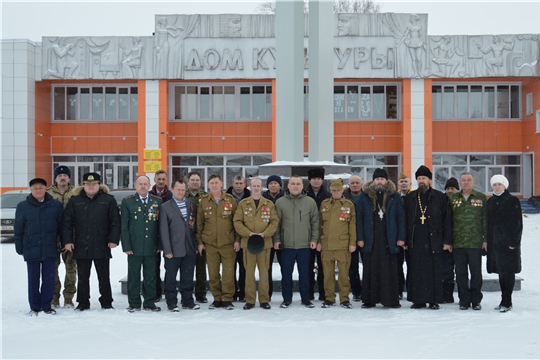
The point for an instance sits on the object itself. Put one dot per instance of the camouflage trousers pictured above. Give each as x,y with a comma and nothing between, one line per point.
70,279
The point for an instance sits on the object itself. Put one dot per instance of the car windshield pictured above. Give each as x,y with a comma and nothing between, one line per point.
11,200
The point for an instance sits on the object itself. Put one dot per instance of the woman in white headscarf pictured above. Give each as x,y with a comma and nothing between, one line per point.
505,225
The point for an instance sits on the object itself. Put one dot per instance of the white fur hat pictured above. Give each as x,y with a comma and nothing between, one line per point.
499,179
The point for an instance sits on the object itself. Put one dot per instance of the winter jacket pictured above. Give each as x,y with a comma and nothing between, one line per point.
469,226
504,228
63,198
37,224
298,221
267,195
437,217
166,196
322,195
245,194
90,224
394,212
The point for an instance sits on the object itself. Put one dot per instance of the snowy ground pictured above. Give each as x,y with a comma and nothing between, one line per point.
278,333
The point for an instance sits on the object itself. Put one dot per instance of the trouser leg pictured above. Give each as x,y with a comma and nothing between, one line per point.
270,266
104,280
200,276
343,258
329,265
475,266
507,282
240,284
250,261
187,268
34,296
159,285
71,276
303,273
84,267
228,258
134,280
287,267
320,275
354,274
171,270
57,283
263,260
149,280
311,273
213,259
47,283
462,276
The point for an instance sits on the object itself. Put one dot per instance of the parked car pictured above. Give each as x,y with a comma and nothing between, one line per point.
119,194
8,205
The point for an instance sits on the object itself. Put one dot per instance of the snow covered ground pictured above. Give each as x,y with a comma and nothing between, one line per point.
277,333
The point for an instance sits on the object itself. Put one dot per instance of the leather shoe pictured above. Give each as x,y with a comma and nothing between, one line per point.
418,306
266,306
153,308
202,299
367,306
434,306
285,304
248,306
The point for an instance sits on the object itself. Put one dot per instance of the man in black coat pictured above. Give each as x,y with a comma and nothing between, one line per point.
429,232
317,192
91,228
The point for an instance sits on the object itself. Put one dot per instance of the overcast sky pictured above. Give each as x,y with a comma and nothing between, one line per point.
32,20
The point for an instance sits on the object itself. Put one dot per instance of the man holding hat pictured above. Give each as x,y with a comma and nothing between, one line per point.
62,191
274,192
317,192
429,232
256,215
336,243
91,228
38,224
469,233
381,229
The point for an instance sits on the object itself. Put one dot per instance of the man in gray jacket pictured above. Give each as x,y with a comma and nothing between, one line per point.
177,233
297,233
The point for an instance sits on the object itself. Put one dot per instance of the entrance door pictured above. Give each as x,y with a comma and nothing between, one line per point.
528,177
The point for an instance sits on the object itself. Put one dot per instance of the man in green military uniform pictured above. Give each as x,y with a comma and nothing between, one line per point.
62,191
469,232
336,243
216,235
140,241
195,193
256,215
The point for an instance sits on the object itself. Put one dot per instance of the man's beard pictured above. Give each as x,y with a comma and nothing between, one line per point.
379,187
423,188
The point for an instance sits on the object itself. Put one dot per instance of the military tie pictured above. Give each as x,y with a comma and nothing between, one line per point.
144,202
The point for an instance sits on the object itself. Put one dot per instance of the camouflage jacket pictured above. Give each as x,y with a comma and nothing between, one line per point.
469,222
63,198
197,197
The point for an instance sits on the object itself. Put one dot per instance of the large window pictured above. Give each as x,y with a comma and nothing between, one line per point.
365,102
222,102
364,165
95,102
481,166
227,166
476,101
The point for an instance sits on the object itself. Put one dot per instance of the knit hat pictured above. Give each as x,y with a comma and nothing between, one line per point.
62,169
452,182
423,171
274,178
403,176
38,181
499,179
380,173
336,184
316,172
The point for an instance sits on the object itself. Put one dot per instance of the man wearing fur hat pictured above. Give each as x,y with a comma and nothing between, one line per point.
429,232
381,232
91,228
336,243
62,191
469,233
317,192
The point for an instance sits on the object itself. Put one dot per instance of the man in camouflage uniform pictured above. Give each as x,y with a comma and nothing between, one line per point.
140,241
62,191
469,229
216,235
336,243
256,215
195,193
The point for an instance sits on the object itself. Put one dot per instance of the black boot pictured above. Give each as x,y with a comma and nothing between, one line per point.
448,293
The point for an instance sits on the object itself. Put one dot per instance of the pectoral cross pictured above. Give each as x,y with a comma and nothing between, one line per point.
381,214
422,218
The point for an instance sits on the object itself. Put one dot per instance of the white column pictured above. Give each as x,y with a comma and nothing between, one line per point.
289,80
18,113
417,126
321,79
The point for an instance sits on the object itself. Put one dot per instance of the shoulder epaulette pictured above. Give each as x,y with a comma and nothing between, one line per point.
130,196
155,196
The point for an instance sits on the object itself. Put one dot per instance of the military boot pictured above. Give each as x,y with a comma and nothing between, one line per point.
55,303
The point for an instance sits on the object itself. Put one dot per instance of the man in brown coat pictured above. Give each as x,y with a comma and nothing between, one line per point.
216,235
336,243
256,215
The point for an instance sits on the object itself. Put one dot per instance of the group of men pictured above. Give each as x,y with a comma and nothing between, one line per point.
315,229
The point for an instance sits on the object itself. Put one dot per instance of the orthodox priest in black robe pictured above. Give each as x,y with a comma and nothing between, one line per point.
429,232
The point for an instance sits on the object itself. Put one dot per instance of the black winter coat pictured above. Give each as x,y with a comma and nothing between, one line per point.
91,224
37,224
322,195
438,219
504,228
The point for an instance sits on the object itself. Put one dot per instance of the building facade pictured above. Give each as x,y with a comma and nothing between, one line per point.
200,94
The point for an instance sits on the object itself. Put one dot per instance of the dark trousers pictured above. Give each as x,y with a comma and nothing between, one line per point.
354,275
159,288
186,265
400,273
240,283
288,258
316,255
468,260
270,281
83,284
200,275
447,259
148,264
506,282
40,297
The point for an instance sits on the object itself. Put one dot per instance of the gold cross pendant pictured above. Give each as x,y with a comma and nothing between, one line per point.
422,218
